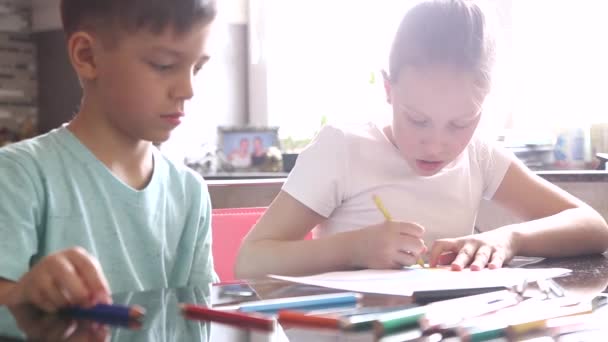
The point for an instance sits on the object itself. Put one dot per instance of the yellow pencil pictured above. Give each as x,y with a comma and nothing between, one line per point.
388,217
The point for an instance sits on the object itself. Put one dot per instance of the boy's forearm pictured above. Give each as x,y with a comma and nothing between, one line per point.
294,258
570,232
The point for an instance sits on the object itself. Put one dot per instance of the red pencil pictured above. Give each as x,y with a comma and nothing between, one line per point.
254,321
301,319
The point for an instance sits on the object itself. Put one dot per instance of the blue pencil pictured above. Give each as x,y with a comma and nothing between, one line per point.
106,312
302,302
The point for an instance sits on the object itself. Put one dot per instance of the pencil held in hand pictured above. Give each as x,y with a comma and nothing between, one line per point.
388,217
382,208
106,311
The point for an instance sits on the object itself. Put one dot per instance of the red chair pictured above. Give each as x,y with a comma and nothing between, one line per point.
229,227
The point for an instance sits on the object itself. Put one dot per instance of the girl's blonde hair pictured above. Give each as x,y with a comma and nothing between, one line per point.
444,32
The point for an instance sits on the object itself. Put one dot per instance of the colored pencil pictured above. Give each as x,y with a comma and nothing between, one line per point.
287,317
197,312
388,217
424,297
398,321
111,312
301,302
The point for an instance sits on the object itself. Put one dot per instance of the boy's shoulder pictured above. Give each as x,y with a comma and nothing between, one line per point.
180,172
31,151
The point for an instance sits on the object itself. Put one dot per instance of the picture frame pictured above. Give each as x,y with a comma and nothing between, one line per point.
245,148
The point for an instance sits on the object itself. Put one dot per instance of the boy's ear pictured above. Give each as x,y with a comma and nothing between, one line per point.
82,55
387,86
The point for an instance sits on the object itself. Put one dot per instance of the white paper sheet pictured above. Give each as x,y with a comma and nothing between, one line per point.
404,282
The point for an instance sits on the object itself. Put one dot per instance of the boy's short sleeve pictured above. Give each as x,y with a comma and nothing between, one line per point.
318,178
19,216
203,271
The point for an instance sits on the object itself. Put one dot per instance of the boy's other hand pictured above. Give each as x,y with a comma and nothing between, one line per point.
491,249
388,245
70,277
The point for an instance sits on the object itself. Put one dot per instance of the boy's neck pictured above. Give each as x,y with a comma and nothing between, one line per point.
129,159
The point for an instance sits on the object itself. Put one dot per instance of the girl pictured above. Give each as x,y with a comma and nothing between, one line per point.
428,167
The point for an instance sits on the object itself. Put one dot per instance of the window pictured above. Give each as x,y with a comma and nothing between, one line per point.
322,60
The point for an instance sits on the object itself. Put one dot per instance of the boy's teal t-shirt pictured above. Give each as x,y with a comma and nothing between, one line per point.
55,194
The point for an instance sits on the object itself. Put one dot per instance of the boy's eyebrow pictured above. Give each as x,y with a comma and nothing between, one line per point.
177,54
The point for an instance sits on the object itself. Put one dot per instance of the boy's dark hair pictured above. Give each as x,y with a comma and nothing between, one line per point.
449,32
133,15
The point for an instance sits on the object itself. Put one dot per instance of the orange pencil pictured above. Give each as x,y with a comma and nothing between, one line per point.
239,319
287,317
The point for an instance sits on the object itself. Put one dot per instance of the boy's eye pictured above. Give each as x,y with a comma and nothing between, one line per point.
197,68
161,67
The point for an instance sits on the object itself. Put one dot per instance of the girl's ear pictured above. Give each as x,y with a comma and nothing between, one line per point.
387,86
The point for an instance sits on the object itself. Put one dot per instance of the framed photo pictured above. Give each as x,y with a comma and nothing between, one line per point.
245,148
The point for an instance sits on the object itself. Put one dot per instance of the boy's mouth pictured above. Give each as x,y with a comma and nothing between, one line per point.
173,118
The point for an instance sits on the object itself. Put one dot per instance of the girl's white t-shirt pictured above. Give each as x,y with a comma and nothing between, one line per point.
340,171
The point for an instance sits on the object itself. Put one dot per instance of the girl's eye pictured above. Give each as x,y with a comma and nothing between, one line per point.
418,121
460,125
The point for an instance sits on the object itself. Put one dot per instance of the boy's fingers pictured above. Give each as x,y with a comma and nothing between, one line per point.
72,286
90,272
53,293
42,293
39,299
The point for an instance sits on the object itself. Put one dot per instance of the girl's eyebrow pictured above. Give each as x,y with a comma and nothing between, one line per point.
466,116
408,108
469,117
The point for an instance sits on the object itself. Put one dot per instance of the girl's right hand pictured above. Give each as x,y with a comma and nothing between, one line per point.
387,245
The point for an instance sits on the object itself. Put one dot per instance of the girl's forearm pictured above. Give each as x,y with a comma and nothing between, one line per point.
300,257
570,232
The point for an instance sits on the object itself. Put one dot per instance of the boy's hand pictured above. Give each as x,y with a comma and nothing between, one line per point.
66,278
388,245
491,249
39,326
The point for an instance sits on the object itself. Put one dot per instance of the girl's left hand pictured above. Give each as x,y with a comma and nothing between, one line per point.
491,249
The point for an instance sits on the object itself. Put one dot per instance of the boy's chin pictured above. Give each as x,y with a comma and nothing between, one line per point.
159,136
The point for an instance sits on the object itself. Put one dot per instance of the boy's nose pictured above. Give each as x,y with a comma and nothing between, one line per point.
184,90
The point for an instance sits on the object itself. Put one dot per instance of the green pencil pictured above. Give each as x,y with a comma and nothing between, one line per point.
398,321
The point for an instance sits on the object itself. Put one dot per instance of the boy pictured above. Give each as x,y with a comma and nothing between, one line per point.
92,207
